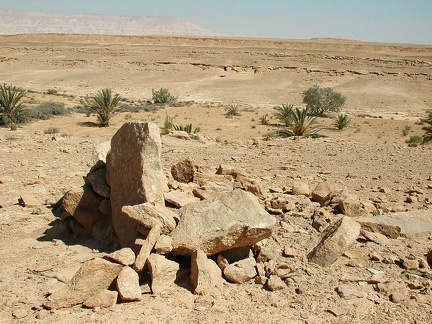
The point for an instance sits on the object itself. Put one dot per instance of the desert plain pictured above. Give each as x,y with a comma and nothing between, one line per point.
388,89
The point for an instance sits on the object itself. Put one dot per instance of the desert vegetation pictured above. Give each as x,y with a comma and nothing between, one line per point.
104,105
320,101
162,96
427,137
11,107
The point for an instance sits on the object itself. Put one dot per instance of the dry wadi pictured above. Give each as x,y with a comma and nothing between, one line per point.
338,228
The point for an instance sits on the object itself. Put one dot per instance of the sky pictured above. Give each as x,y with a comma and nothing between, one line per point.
393,21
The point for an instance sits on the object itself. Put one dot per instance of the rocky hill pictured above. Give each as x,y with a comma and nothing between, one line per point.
25,22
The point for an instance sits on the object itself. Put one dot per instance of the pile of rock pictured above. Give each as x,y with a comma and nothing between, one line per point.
127,199
206,227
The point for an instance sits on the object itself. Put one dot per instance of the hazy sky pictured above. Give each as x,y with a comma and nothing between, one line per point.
400,21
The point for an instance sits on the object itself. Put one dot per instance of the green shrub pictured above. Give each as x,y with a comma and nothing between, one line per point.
104,105
406,130
51,130
47,109
11,110
52,91
427,137
232,110
168,124
322,100
414,140
284,113
342,121
162,96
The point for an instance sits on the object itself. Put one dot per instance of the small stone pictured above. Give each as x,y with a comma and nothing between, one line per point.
300,188
240,271
28,200
321,193
410,264
123,256
128,285
163,244
289,252
42,314
336,311
397,297
275,283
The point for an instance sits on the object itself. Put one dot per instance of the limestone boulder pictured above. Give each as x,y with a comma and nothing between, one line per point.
230,220
336,239
135,175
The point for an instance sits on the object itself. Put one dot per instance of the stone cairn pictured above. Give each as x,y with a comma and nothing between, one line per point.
156,225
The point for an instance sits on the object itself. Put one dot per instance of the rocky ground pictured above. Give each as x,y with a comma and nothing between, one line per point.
376,280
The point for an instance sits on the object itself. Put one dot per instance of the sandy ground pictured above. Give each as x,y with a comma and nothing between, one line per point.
387,88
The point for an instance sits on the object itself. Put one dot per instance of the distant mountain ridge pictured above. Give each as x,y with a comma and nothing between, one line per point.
29,22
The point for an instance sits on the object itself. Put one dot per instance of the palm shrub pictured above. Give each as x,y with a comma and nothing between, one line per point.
104,105
232,110
284,113
264,120
11,110
427,137
323,100
342,121
302,124
162,96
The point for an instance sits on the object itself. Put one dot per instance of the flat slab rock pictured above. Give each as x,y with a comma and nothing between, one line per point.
411,223
93,277
230,220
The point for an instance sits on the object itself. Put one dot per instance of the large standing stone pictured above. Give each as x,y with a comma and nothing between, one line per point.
336,239
135,175
93,276
230,220
205,273
163,272
128,285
